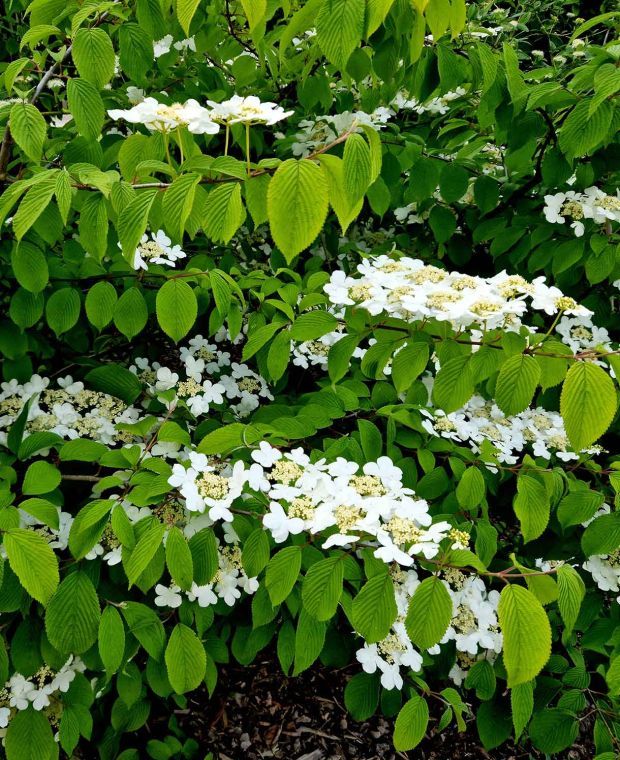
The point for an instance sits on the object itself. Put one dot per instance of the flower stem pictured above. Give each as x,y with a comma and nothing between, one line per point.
226,140
247,146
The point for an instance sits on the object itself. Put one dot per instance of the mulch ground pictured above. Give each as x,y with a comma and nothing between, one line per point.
256,713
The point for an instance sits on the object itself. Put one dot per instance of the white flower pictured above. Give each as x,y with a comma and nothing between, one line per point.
204,595
161,47
248,110
166,379
167,597
280,524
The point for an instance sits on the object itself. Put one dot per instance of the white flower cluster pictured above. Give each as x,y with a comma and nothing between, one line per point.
316,497
412,290
156,250
316,133
481,420
70,411
437,105
581,334
249,110
20,693
473,628
206,376
605,571
230,580
593,204
162,47
159,117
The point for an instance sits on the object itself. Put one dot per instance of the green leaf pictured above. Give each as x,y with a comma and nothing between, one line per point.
33,562
30,266
613,676
177,308
602,536
361,695
322,587
143,552
29,737
516,383
571,592
374,608
185,13
553,730
454,384
429,614
33,204
72,615
578,507
471,488
481,677
131,313
100,302
93,55
255,554
339,28
146,627
313,325
86,107
43,510
88,526
254,11
135,50
583,131
132,222
408,364
178,203
297,202
522,704
309,641
115,380
205,555
531,505
28,129
186,660
411,724
282,573
356,169
223,213
62,310
41,477
279,355
587,404
93,226
453,182
344,205
111,638
527,634
179,559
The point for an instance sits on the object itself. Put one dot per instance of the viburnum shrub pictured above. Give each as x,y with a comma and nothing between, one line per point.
308,344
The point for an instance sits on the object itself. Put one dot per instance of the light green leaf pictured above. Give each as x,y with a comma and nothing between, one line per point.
531,505
86,107
322,587
527,634
33,562
186,660
93,55
179,559
429,614
516,383
176,308
411,724
223,213
339,28
374,608
571,592
111,637
587,404
282,573
28,129
297,202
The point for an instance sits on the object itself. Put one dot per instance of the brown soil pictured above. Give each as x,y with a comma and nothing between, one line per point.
256,713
